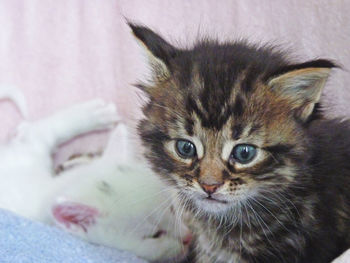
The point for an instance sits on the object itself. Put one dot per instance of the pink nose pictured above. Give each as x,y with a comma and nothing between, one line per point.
187,239
210,188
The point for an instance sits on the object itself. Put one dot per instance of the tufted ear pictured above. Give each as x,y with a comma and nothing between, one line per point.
301,85
160,53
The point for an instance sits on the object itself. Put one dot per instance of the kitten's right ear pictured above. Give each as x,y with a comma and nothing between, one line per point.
301,85
74,216
160,52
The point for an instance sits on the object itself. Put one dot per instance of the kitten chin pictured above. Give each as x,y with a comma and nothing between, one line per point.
219,204
211,205
243,124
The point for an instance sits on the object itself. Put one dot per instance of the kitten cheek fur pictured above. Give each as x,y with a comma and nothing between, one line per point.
245,93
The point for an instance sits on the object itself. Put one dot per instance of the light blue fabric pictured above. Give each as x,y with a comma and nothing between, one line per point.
24,241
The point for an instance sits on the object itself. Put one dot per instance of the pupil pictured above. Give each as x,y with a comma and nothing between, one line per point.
187,147
245,153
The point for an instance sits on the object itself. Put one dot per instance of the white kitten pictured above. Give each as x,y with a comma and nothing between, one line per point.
115,200
26,163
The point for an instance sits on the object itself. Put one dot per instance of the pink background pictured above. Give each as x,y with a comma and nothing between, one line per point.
67,51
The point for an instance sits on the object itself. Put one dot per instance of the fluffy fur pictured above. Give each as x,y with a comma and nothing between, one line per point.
114,200
117,201
292,199
27,158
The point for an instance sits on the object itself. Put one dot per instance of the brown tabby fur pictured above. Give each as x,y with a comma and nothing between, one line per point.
292,203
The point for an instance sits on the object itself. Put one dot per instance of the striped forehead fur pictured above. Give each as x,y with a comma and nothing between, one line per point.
217,80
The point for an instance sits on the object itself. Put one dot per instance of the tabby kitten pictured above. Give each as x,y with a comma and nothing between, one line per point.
237,130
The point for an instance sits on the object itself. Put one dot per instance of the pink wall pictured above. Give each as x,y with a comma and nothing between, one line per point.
67,51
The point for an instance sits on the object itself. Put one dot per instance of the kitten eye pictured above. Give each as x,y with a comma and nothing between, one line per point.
244,153
185,149
159,233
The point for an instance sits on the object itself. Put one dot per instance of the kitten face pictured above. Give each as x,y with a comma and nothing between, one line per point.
270,133
224,123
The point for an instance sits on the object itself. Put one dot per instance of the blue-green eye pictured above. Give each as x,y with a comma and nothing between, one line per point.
244,153
185,149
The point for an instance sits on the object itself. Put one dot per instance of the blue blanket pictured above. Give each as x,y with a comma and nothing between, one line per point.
24,241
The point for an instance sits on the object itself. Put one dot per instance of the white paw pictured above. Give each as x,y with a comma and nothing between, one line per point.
85,117
102,115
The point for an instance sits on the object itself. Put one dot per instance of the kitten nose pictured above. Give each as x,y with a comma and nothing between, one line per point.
210,188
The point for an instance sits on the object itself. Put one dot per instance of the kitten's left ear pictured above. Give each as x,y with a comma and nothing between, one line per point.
74,217
301,85
160,52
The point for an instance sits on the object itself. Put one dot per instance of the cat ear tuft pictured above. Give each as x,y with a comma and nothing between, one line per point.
301,85
160,52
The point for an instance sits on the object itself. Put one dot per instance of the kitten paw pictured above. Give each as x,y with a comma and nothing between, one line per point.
95,115
107,116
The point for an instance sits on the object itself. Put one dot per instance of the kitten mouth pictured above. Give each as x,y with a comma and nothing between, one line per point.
211,199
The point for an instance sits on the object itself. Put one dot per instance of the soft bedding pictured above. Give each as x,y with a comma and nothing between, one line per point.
25,241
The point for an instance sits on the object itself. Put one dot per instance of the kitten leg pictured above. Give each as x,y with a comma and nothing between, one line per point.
66,124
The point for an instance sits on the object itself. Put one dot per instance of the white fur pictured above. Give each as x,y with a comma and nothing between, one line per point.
26,163
12,93
132,203
344,258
